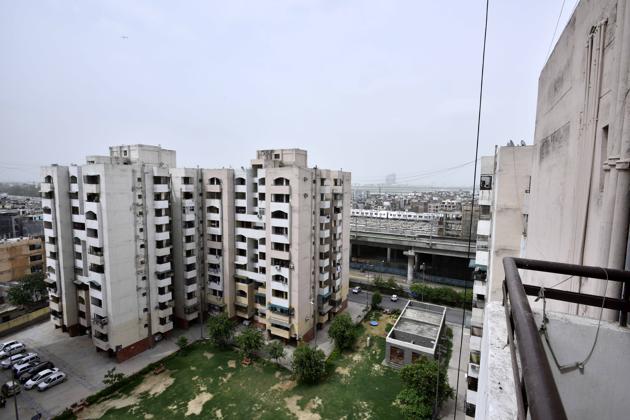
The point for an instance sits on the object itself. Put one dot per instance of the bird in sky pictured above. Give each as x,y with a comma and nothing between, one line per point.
124,37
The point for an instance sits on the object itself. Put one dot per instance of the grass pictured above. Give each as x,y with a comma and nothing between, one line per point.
358,387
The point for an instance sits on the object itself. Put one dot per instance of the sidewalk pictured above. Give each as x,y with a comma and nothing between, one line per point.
368,278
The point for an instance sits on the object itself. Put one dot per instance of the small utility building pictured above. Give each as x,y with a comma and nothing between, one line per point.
416,333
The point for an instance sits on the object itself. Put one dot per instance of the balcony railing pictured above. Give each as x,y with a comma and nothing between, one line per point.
537,394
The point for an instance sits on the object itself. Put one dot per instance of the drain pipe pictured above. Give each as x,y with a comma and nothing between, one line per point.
619,238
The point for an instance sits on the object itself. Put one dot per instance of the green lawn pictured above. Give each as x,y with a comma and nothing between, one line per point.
209,383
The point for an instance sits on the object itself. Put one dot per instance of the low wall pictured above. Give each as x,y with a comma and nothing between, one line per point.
24,321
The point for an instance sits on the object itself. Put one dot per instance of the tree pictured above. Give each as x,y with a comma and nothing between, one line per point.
343,331
376,299
112,377
418,399
309,364
250,341
182,341
220,329
29,290
276,350
391,283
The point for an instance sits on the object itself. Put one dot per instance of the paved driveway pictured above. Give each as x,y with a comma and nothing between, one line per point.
78,358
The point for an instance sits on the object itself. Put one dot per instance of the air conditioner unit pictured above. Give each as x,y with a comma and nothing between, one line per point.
291,266
277,268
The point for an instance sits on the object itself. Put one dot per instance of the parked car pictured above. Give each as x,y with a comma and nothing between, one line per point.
8,343
11,350
356,289
32,358
51,380
7,362
39,377
34,370
10,388
394,298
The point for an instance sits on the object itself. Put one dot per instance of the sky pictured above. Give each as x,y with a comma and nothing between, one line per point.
368,86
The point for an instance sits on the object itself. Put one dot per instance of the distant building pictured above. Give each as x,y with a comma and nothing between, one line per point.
20,257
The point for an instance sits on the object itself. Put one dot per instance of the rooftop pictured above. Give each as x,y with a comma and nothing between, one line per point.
419,325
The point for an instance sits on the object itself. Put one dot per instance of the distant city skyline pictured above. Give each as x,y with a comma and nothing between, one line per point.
360,85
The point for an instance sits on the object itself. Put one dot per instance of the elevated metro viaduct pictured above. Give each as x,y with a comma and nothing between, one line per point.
444,257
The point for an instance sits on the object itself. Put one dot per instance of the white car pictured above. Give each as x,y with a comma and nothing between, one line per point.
394,298
8,343
38,378
51,380
12,360
11,350
25,363
356,290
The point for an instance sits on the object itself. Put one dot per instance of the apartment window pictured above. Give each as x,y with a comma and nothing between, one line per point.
486,182
276,155
603,157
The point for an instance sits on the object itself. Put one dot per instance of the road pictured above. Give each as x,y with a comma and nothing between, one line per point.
453,315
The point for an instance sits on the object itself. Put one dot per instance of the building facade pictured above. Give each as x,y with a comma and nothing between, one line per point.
136,245
20,257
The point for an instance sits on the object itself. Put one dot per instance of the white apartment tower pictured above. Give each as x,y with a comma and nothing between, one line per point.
136,244
108,238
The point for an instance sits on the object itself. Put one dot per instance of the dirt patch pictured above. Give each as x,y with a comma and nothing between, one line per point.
377,370
306,413
193,368
364,412
343,371
218,414
208,355
357,357
232,364
225,378
97,411
284,385
196,404
154,384
148,416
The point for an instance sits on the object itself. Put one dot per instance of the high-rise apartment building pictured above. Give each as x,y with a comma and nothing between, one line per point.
136,245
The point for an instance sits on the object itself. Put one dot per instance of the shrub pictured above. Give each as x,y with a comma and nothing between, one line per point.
276,350
250,341
376,299
182,341
220,329
343,331
309,364
112,377
417,399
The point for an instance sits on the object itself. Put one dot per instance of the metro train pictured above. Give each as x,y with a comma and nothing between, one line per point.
400,215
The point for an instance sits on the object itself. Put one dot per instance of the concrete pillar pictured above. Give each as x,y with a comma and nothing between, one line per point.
389,255
410,263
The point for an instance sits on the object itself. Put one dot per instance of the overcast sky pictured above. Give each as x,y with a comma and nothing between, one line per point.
369,86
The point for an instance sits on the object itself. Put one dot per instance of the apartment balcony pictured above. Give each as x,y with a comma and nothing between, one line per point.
276,269
190,260
74,187
192,301
160,204
46,187
280,286
324,204
164,297
338,204
323,234
163,267
324,219
214,259
164,328
284,207
326,189
97,310
91,188
213,188
325,262
162,236
190,274
322,319
324,276
337,296
240,259
337,189
189,231
191,315
48,202
162,252
103,345
75,218
187,188
188,216
338,230
282,255
324,291
162,220
215,300
79,234
481,259
188,288
55,306
251,233
214,202
188,203
324,248
214,216
559,365
161,188
485,197
240,188
48,217
325,308
281,239
279,332
166,282
476,321
240,203
91,241
259,277
279,189
213,231
283,303
50,233
164,313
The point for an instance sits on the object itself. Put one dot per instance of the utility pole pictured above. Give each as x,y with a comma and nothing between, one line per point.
437,383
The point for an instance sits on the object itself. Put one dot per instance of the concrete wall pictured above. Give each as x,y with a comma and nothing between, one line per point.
580,115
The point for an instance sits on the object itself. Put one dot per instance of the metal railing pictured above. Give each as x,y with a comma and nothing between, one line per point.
537,395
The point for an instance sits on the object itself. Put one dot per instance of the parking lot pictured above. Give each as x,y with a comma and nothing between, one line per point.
83,365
